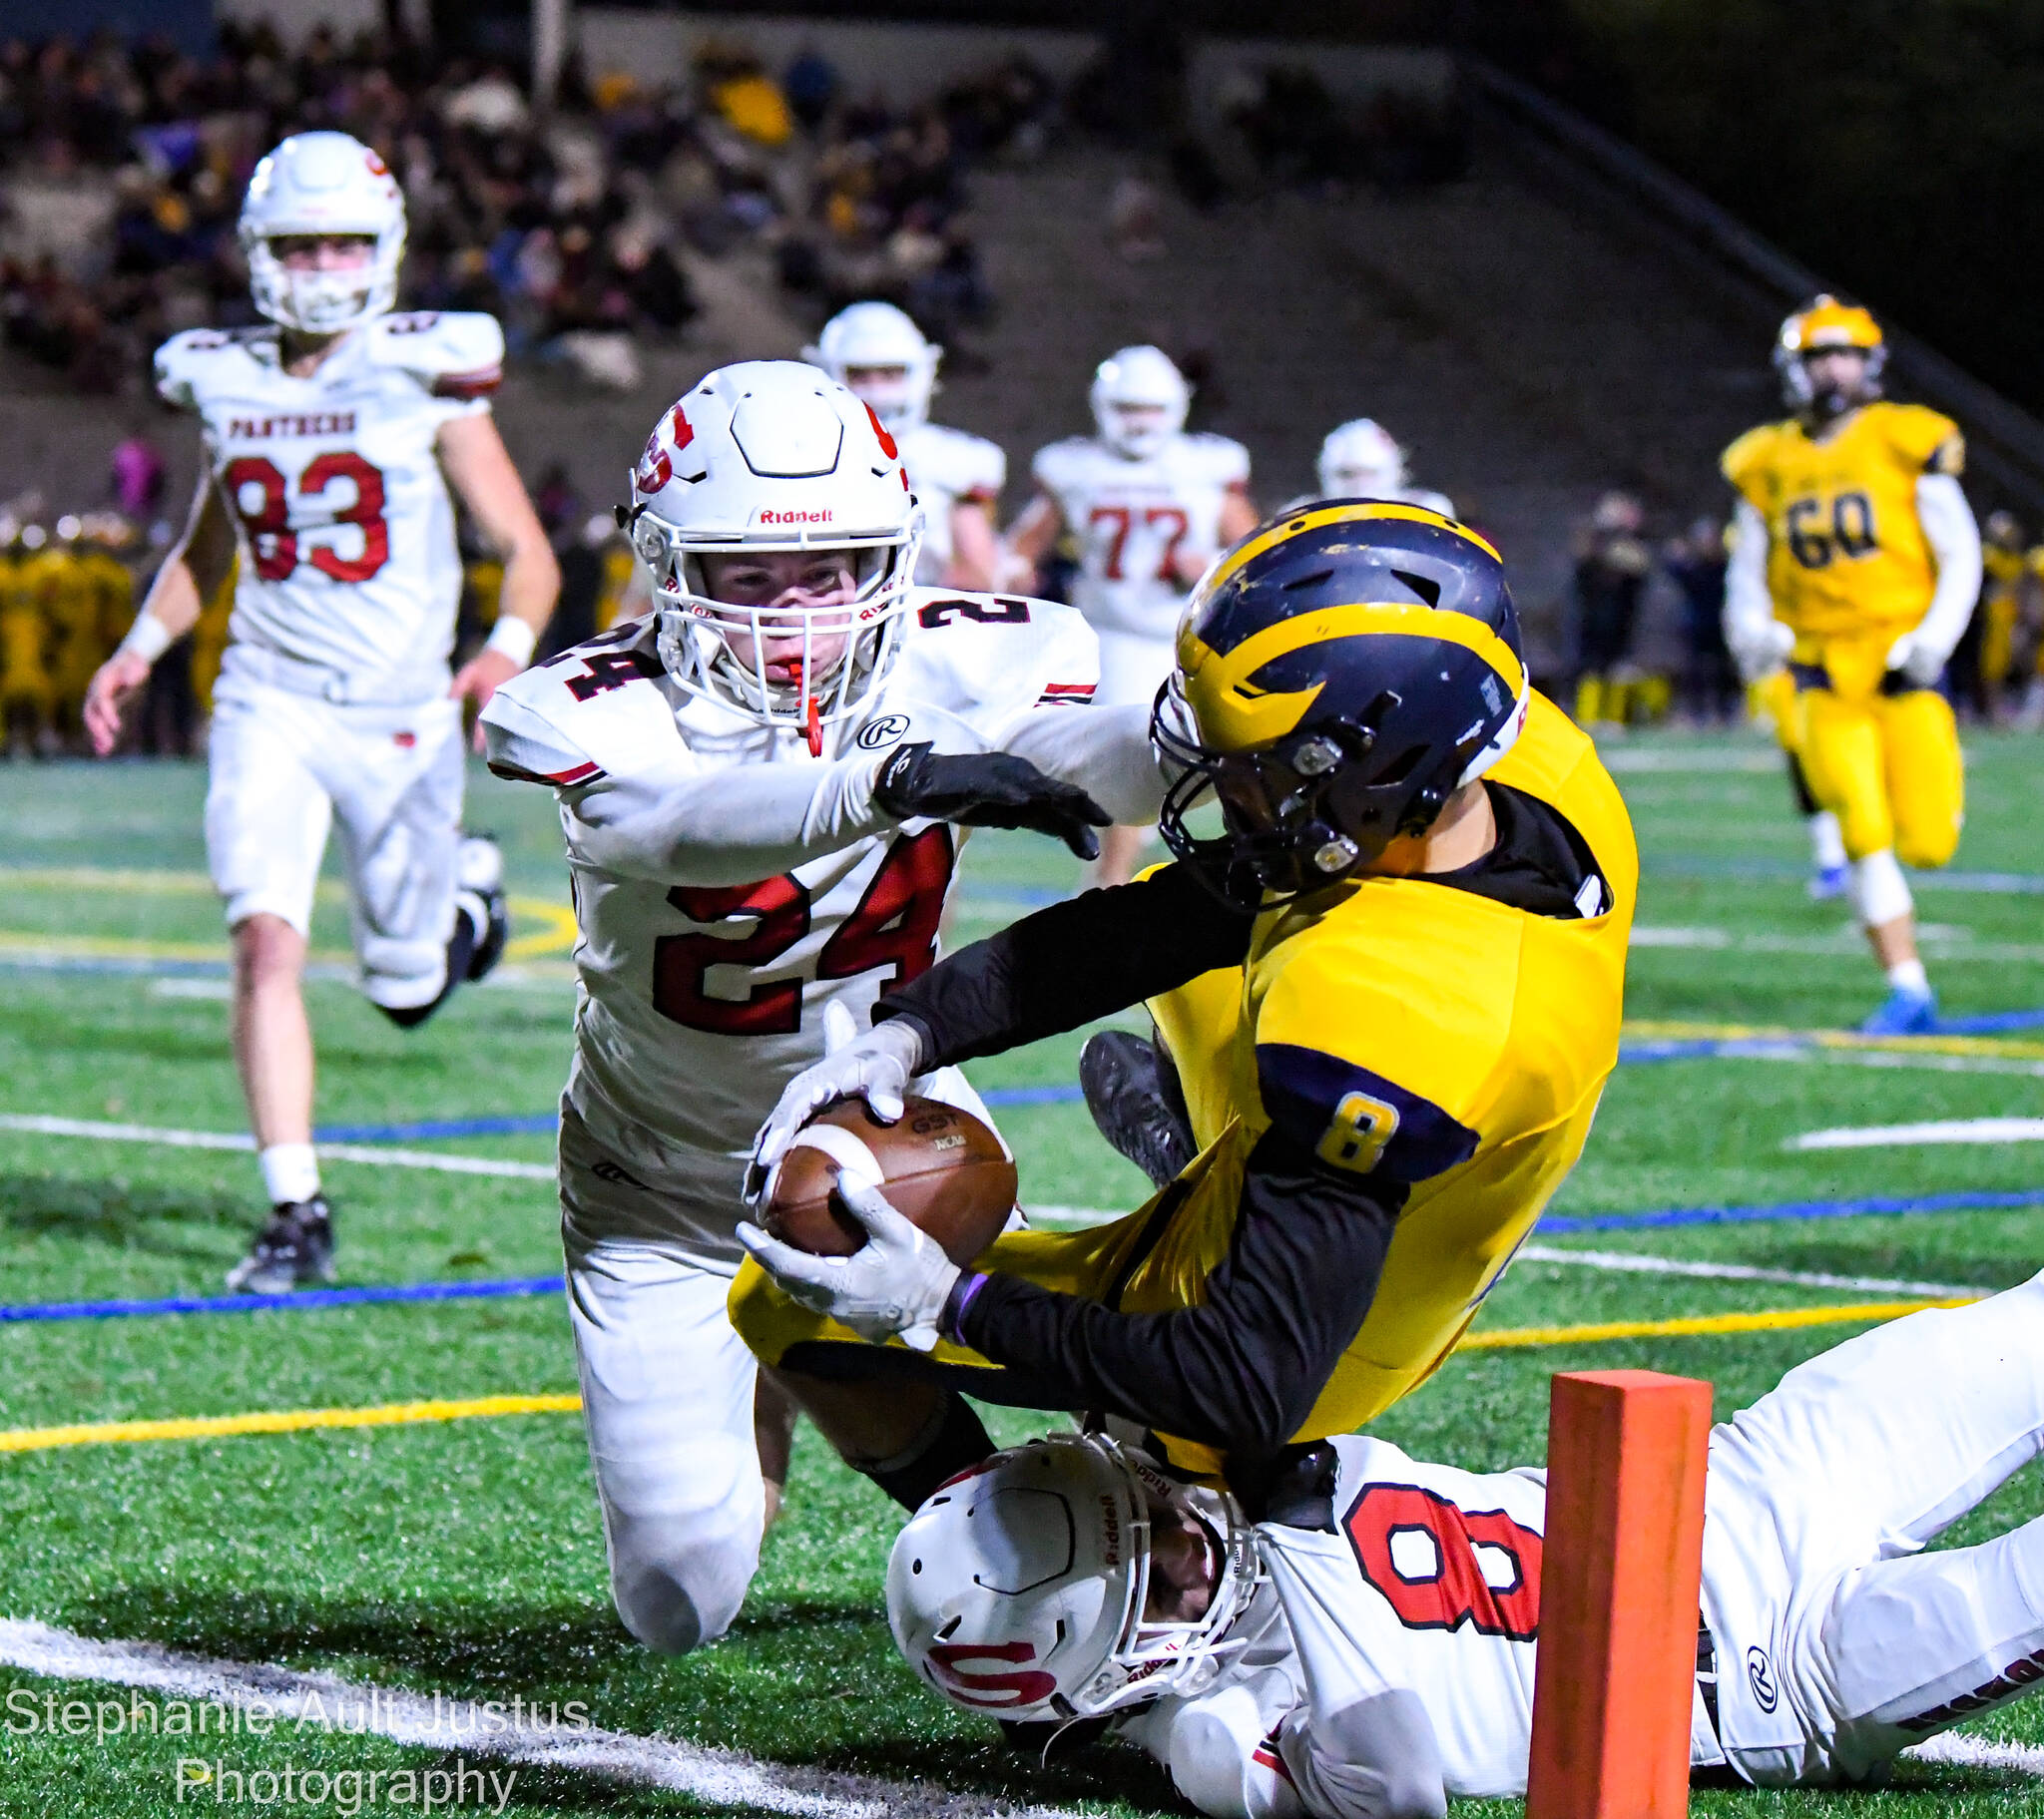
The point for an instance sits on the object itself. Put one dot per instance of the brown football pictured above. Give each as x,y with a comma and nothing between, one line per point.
941,1167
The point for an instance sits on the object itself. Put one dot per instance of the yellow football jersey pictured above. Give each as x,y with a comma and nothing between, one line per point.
1846,555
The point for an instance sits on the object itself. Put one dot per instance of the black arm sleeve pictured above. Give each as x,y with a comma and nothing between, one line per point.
1064,965
1243,1370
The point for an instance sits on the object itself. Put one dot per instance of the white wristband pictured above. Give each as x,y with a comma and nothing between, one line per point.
513,637
147,637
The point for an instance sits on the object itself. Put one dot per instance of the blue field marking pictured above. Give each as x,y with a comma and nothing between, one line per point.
1871,1207
1991,1024
538,1124
296,1302
1696,865
996,1097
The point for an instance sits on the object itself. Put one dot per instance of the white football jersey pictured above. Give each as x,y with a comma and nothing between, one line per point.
946,468
349,578
698,1003
1430,1585
1133,519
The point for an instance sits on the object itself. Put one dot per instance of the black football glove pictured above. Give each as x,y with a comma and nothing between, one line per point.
987,790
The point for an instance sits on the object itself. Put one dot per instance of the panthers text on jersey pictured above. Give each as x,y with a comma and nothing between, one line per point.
349,578
699,1002
1134,519
947,468
1846,555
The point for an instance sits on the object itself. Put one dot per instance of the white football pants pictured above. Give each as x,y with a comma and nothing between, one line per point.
1840,1641
283,767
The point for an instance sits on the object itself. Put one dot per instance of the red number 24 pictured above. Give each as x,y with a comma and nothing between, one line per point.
894,926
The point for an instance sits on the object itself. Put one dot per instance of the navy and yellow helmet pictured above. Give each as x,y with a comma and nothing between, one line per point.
1341,672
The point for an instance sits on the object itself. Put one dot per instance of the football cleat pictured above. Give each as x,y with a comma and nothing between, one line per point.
1903,1013
1122,1076
293,1248
479,891
1830,881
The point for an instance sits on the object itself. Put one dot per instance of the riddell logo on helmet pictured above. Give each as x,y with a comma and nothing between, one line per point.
769,516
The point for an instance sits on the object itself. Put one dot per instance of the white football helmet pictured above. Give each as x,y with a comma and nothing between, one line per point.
322,183
763,456
1360,460
1019,1589
1142,379
880,336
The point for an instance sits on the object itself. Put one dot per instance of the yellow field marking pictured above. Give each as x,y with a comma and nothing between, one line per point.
280,1421
559,936
1706,1325
1657,1030
398,1413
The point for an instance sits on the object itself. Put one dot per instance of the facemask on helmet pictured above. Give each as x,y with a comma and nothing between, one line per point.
1024,1589
1824,324
878,354
1139,401
324,183
1341,675
764,459
1360,460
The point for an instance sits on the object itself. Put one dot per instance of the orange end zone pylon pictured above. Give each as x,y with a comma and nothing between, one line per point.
1621,1570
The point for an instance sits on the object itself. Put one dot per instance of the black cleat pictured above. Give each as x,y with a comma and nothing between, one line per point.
1135,1106
294,1249
479,890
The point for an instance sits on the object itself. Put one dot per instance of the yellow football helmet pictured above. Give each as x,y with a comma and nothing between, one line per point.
1341,672
1823,325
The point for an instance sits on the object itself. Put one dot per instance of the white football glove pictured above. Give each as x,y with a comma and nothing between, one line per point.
875,1066
1760,650
1921,662
897,1282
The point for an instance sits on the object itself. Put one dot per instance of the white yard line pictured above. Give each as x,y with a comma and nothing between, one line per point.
717,1777
376,1155
1937,1131
1632,1262
1962,1750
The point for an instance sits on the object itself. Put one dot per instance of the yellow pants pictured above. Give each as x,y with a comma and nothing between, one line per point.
1452,1242
1888,766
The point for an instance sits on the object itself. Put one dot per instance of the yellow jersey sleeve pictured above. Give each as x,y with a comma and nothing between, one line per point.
1745,462
1925,441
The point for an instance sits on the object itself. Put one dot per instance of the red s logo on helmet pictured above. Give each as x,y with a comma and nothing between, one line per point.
888,444
655,469
684,430
993,1690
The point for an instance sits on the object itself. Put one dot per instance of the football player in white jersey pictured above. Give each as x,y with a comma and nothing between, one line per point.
879,355
331,440
1401,1673
1150,506
760,787
1360,459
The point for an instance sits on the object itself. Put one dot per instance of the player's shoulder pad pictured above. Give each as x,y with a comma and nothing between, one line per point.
1925,439
997,650
956,462
1743,461
1058,465
539,725
187,361
1356,1119
452,353
1223,459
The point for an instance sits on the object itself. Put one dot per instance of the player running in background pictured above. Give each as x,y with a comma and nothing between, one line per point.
1366,1651
754,783
879,355
1389,991
1149,506
1360,460
1857,564
332,439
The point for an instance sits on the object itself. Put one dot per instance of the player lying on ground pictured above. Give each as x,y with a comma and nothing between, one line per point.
1367,1649
1856,565
1390,987
754,783
331,440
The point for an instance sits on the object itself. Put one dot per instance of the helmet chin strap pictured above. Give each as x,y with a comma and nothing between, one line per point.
812,719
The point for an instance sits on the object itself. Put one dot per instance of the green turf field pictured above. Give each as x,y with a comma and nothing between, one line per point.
464,1557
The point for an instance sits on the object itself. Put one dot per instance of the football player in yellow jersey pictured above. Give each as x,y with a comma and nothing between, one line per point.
2005,561
1857,565
1392,989
27,697
71,605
